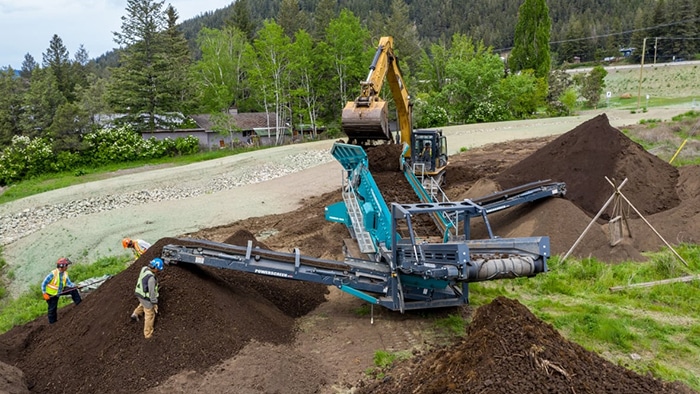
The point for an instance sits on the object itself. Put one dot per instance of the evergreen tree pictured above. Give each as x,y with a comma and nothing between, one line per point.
176,86
56,58
40,103
241,19
687,27
11,92
28,65
405,34
531,46
291,18
135,88
324,13
80,67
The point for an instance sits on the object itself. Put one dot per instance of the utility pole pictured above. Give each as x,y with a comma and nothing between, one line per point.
641,70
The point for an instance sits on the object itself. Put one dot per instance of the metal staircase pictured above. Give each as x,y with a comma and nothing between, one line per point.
363,237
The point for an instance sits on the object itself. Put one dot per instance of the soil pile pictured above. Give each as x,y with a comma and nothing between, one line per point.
205,316
584,156
509,350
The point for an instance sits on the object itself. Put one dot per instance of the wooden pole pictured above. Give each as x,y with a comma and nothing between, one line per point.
605,206
648,224
658,282
641,69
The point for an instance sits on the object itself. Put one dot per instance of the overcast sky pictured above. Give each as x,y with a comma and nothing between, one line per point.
27,26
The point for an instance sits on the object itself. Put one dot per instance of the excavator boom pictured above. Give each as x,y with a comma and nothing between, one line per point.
366,120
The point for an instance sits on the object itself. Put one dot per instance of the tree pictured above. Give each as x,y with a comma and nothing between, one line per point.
56,58
432,68
309,69
240,19
324,13
80,67
593,84
405,34
270,76
219,74
173,78
135,88
68,126
40,103
11,92
531,41
291,18
348,50
28,65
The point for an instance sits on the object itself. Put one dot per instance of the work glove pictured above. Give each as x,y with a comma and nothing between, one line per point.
155,308
46,296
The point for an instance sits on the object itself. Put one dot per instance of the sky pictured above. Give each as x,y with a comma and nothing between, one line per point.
27,26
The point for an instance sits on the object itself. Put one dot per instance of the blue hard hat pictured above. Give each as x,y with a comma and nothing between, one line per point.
156,263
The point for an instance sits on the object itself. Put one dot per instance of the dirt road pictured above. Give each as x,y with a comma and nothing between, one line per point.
86,238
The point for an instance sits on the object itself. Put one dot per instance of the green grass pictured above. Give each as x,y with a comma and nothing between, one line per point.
54,181
660,324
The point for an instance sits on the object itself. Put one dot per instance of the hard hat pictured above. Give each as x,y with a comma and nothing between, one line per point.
156,263
126,242
63,262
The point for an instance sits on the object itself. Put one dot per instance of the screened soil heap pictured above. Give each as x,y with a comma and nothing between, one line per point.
233,332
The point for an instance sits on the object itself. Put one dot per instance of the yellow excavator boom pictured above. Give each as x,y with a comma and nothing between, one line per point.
366,119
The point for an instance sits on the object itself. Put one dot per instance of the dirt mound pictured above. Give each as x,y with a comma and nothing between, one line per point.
509,350
384,158
206,316
584,156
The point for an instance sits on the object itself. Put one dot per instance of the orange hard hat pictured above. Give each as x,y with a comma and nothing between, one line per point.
63,262
126,242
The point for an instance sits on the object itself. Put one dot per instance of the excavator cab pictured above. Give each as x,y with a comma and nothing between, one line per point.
429,153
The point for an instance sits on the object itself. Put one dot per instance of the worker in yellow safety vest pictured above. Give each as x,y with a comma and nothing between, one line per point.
56,284
147,294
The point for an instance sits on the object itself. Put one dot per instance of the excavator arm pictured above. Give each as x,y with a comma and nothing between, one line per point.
366,120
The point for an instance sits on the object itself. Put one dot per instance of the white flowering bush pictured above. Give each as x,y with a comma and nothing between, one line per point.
24,158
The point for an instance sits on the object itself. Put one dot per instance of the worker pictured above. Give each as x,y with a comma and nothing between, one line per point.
56,284
427,153
139,246
147,294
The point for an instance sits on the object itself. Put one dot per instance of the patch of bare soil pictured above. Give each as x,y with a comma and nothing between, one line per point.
225,331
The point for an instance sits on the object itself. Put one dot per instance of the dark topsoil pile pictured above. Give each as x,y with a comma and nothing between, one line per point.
509,350
96,348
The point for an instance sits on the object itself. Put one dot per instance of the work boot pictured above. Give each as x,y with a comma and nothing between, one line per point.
134,317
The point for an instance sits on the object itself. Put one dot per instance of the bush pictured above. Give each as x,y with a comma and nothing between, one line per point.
24,158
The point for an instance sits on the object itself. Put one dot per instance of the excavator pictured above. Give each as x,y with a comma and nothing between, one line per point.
366,122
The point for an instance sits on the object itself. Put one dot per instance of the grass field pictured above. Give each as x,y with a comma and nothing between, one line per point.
665,84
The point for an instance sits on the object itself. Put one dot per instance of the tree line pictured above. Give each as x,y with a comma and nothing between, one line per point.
301,65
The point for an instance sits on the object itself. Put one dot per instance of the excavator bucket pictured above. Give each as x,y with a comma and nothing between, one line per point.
366,122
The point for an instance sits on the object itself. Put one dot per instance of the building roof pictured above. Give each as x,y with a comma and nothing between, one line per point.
244,121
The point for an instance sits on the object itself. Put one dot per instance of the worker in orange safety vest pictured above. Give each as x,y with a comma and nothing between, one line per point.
139,246
56,284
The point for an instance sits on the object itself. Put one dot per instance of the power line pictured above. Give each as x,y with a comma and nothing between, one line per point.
621,33
627,31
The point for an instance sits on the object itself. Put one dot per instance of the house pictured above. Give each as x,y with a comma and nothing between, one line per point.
627,52
252,128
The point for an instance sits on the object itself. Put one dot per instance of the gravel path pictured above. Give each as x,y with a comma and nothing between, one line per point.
87,221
